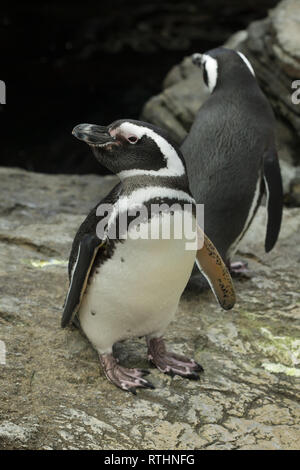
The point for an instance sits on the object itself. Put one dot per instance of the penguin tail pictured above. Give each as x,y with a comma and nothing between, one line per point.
274,193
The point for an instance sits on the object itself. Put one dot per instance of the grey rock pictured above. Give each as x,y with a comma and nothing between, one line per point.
22,433
272,46
288,173
175,108
295,190
53,393
25,195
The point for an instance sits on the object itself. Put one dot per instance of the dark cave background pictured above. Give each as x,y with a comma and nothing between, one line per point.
66,63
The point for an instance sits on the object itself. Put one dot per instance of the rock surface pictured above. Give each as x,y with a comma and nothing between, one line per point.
52,392
272,46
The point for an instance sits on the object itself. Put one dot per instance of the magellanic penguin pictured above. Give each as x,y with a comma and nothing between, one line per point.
123,285
231,156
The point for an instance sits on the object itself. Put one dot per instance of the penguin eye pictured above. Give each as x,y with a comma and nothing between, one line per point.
132,139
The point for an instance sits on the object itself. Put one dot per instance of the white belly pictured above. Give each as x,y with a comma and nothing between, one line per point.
136,292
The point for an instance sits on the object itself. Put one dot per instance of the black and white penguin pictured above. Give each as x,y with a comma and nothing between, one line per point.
123,285
231,156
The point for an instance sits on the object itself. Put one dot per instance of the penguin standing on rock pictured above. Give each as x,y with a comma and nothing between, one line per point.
231,156
123,285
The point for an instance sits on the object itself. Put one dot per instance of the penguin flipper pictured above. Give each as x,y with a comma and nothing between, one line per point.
274,191
87,251
215,271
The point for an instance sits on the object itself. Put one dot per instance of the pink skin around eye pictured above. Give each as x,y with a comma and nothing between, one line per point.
112,132
131,138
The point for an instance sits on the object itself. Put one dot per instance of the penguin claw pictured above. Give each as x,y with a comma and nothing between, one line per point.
149,385
142,383
171,373
193,376
122,377
198,368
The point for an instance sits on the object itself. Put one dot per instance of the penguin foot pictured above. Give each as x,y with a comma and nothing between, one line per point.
171,363
239,268
126,379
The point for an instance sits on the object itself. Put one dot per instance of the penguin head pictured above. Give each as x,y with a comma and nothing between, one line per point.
129,148
222,67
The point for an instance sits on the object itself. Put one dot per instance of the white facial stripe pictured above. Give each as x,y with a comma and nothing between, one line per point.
211,66
174,165
247,62
162,172
143,195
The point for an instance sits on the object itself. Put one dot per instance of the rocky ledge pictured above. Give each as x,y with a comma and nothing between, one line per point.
52,392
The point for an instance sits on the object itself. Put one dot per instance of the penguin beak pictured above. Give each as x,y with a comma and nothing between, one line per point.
94,135
197,59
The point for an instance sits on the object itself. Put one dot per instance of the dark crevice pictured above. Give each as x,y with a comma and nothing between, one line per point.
95,62
45,250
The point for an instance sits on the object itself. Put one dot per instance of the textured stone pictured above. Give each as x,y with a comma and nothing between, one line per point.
272,46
